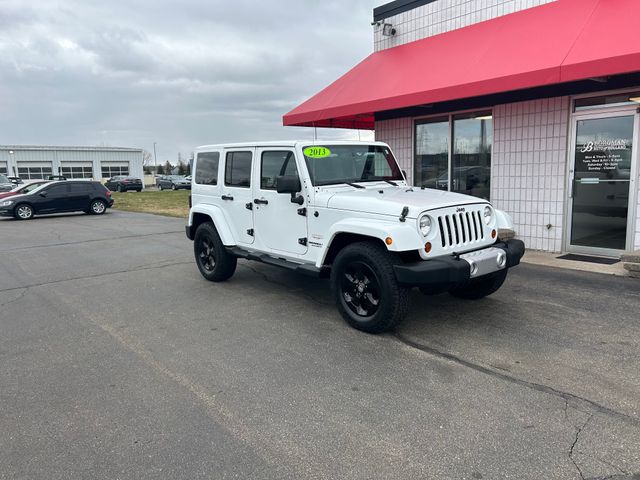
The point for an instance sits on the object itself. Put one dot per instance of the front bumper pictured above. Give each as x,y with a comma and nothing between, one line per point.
447,272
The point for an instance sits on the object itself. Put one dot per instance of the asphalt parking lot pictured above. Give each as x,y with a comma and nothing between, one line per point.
118,361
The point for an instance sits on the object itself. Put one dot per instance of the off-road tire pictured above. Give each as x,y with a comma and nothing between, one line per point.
207,246
392,298
480,287
23,207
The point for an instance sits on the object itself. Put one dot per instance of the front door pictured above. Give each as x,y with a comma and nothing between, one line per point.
52,199
604,151
280,225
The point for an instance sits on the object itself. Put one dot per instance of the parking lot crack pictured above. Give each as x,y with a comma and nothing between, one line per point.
575,442
17,298
588,404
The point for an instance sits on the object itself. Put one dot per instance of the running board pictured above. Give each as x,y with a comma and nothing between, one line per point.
304,268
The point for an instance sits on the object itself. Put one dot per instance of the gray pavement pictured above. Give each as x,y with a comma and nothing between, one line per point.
117,360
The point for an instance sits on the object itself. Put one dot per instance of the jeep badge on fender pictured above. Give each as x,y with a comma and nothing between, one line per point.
272,202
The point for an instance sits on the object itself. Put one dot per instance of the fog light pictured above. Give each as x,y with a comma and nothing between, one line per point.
388,240
427,247
473,266
494,234
501,260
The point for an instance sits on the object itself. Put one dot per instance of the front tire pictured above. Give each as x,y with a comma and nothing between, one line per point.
23,212
480,287
213,260
97,207
160,187
365,288
173,187
120,189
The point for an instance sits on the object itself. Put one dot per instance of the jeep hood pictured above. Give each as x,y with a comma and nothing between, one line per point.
389,200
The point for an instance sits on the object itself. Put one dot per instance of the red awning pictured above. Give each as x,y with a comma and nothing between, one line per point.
559,42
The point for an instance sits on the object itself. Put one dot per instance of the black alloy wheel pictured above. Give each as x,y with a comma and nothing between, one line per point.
360,289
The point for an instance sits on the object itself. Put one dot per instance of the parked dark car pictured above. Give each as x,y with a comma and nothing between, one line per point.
56,177
5,184
124,184
174,182
22,189
58,197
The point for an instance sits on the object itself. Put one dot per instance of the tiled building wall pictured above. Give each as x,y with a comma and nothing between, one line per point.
398,133
445,15
528,168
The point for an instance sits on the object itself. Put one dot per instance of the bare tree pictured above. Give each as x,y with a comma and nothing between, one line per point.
147,159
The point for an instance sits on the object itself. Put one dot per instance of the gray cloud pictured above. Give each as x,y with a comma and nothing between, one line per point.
177,73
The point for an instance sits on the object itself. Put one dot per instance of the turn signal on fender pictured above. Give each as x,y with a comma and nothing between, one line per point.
388,240
493,234
427,247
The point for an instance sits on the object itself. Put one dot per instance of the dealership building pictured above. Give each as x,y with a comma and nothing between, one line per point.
532,104
97,163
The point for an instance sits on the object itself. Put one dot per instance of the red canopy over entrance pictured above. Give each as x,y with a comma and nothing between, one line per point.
559,42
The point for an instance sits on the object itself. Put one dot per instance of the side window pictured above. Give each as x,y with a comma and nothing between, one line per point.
81,187
207,168
275,164
237,171
57,190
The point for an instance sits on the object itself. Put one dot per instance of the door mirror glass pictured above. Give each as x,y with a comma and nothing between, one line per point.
288,184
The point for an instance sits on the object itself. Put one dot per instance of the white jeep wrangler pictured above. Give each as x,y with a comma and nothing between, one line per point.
344,210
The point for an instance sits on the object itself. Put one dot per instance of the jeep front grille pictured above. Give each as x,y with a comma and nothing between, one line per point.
461,228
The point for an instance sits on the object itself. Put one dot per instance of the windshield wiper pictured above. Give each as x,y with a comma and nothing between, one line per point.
355,185
391,183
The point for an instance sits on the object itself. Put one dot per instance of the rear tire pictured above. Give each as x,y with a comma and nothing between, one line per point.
365,289
97,207
173,187
23,211
213,260
480,287
160,187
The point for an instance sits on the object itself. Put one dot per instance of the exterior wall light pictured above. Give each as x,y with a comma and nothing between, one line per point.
388,30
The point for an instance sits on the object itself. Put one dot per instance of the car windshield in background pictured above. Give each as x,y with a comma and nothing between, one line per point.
4,179
334,164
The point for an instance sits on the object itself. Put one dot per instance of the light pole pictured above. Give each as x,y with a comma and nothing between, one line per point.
155,164
12,163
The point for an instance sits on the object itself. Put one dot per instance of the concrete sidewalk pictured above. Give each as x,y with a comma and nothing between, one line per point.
535,257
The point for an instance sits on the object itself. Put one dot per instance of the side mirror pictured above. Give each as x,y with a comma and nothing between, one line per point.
43,194
288,184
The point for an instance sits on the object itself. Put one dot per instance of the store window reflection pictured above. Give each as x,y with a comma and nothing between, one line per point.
431,164
471,161
458,145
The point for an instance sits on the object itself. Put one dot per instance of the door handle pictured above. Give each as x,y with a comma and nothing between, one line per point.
259,201
227,197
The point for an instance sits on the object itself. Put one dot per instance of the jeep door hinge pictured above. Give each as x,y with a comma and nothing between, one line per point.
302,211
303,241
250,232
249,206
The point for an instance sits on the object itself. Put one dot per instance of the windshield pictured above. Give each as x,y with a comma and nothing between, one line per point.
333,164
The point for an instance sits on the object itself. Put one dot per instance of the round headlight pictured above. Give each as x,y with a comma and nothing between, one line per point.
425,225
488,214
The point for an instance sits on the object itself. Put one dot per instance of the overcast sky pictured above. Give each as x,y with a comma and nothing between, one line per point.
179,73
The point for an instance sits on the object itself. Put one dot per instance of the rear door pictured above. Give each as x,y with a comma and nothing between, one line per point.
237,194
280,225
79,195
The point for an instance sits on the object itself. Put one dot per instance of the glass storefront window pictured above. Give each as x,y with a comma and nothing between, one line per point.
612,100
471,160
457,145
431,162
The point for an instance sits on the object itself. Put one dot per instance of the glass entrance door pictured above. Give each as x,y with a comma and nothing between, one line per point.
603,153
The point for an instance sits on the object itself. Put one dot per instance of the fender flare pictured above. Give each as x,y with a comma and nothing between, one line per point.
218,218
503,220
404,237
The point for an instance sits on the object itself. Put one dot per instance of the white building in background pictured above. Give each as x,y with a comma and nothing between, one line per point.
31,162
